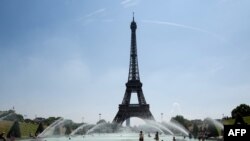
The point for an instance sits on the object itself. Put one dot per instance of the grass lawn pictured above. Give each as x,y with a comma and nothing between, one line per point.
231,121
5,126
25,128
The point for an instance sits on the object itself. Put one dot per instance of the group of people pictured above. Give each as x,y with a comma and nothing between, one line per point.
141,136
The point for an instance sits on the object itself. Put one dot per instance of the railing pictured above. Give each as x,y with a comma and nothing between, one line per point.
134,106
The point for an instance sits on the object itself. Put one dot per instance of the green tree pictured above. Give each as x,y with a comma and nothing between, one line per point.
68,130
39,129
19,117
68,126
50,120
241,110
14,117
14,130
29,121
211,129
181,120
101,121
195,130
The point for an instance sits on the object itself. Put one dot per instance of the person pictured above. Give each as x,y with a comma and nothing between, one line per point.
141,138
149,135
156,136
2,138
174,138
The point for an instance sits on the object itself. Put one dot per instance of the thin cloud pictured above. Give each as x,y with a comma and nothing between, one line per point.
108,20
186,27
96,12
91,17
126,1
129,3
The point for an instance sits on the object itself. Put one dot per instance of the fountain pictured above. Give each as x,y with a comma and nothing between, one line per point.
57,128
176,126
114,132
84,127
162,127
217,125
100,128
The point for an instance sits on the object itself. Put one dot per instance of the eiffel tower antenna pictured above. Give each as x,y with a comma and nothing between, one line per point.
133,16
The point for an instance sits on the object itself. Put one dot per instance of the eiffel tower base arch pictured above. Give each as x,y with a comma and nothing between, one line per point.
133,110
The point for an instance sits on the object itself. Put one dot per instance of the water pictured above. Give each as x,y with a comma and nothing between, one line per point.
56,128
82,127
112,137
219,126
216,123
150,126
97,127
114,132
175,125
163,128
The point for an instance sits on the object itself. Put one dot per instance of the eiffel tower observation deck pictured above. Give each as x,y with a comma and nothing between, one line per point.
133,86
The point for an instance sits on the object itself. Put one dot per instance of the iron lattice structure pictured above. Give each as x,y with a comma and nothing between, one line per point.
133,86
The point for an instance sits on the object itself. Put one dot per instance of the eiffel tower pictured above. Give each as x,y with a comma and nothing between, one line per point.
133,86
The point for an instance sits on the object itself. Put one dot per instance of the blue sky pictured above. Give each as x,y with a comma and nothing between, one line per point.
70,57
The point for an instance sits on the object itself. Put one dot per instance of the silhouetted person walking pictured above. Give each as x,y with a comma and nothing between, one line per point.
141,137
156,136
